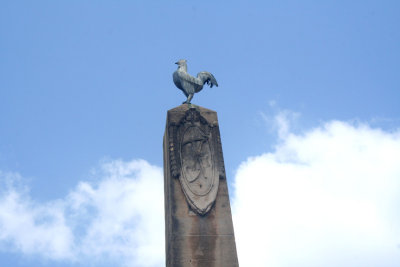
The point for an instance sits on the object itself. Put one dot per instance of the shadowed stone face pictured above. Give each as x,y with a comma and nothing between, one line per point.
197,165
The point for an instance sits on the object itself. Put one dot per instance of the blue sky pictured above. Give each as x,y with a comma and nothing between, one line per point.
84,90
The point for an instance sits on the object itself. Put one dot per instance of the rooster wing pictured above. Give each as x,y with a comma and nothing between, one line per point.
187,83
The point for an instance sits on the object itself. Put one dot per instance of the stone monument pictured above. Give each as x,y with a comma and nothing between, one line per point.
198,220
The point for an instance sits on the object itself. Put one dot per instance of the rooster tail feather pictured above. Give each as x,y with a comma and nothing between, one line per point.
208,78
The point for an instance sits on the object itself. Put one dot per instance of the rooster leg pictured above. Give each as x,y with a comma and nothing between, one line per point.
189,98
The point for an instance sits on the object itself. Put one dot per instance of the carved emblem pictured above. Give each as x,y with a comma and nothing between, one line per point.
195,156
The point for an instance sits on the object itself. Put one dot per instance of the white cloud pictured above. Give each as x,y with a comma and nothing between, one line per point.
328,197
281,122
34,229
119,219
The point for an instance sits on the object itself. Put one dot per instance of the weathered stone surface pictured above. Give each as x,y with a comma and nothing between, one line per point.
199,229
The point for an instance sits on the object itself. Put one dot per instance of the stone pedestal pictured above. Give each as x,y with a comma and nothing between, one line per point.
198,220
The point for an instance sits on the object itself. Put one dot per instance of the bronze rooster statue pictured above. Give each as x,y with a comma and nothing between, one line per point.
189,84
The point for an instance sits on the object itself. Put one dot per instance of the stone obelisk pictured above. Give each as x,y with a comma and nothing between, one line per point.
198,220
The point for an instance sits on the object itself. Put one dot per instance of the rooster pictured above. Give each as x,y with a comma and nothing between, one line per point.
189,84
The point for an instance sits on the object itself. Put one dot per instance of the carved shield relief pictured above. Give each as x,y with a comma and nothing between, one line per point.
194,159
